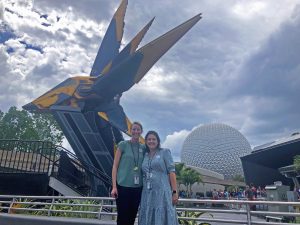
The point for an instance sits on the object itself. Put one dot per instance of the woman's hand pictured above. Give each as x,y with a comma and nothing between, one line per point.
174,198
114,192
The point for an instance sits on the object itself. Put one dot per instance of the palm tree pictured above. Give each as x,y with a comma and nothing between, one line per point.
178,170
187,176
239,178
296,166
297,163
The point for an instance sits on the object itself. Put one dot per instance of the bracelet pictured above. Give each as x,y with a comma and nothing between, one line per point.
174,192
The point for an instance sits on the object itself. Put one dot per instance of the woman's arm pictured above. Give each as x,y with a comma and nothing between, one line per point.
114,191
172,177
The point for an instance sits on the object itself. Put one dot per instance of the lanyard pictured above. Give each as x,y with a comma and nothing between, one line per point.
136,162
150,162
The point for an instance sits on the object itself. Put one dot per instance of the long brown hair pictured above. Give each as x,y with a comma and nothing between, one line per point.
157,137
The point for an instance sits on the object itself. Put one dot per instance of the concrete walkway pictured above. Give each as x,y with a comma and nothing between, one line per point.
13,219
17,219
231,216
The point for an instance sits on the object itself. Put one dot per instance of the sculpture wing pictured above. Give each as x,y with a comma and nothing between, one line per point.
117,118
158,47
133,68
129,49
111,42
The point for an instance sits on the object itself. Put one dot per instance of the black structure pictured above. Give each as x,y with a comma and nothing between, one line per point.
88,109
292,173
261,167
28,167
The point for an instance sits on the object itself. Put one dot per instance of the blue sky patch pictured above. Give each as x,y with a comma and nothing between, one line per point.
30,46
6,33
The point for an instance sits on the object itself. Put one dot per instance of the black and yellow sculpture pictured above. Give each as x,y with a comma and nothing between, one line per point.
87,107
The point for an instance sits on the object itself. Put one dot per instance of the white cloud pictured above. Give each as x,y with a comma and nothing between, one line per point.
248,9
1,11
174,142
195,82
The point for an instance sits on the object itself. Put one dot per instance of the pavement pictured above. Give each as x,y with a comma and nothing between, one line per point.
230,216
17,219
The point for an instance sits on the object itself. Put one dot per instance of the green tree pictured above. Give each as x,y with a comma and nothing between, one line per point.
297,163
187,176
20,124
232,188
178,168
238,177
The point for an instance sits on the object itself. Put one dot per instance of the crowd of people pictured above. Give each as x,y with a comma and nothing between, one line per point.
250,192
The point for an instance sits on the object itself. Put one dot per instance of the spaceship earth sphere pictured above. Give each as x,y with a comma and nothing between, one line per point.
217,147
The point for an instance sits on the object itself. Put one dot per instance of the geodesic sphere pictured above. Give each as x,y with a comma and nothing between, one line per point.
217,147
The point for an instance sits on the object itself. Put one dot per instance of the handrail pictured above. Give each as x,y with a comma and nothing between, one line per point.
85,170
24,156
88,166
106,206
30,156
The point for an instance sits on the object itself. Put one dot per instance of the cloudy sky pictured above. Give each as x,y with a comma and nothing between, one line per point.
239,65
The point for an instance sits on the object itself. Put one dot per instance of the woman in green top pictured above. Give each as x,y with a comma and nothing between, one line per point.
127,176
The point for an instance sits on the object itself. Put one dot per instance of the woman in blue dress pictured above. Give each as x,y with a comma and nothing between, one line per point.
159,195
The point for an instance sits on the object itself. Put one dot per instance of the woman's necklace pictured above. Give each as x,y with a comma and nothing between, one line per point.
136,161
149,173
152,153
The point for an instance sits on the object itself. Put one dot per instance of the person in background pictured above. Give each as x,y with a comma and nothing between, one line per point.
250,195
226,194
254,191
127,176
215,194
159,196
258,191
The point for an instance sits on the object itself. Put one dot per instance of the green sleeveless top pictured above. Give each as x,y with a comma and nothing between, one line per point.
132,156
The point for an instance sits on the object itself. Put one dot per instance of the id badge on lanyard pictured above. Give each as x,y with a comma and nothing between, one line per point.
149,185
136,179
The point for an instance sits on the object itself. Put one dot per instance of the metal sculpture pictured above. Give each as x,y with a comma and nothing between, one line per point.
87,107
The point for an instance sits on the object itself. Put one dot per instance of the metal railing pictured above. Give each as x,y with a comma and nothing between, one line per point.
89,169
21,156
99,207
79,176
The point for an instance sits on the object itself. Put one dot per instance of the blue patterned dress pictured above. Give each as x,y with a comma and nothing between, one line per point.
156,206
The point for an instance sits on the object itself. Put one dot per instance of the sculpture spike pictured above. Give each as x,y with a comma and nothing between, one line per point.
111,42
158,47
129,49
138,38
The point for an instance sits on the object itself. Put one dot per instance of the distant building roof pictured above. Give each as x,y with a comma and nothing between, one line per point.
214,180
281,141
206,172
211,177
261,167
